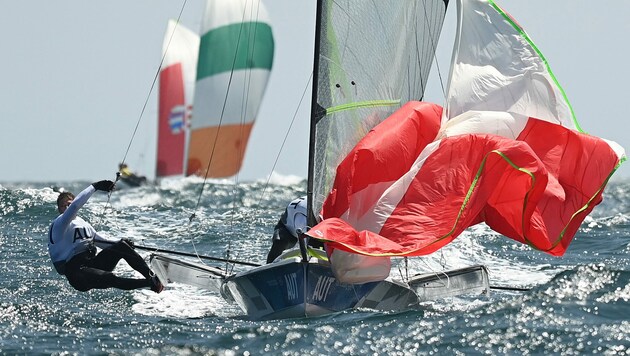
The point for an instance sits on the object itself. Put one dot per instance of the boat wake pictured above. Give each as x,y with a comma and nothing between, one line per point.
181,301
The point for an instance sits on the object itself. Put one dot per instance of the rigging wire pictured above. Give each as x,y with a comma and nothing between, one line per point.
155,77
245,99
244,104
434,47
146,101
288,131
144,106
243,107
284,140
432,43
220,125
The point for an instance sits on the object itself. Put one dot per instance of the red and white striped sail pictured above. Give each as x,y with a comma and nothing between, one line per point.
507,151
177,80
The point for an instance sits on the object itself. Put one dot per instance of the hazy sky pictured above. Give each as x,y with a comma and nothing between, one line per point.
75,75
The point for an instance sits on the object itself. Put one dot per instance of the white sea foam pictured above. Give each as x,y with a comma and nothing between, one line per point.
285,180
178,301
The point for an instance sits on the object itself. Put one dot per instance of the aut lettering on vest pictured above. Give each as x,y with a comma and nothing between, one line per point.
81,233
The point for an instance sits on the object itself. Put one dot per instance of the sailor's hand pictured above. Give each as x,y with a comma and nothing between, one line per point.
128,242
104,185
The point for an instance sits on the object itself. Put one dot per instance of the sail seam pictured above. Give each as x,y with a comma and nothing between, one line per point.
523,220
361,104
469,193
588,203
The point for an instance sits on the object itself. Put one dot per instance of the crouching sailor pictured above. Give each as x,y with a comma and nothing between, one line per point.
72,246
292,223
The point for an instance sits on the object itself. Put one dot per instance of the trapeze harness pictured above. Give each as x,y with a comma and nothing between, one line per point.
70,236
71,245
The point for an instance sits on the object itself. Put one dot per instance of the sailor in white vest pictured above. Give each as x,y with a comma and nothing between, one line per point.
72,245
292,223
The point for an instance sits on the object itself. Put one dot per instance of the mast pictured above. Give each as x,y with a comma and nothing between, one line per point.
315,115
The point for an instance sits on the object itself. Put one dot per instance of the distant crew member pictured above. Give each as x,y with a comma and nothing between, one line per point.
72,247
130,178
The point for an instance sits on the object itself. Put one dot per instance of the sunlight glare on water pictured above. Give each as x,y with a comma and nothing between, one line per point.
577,304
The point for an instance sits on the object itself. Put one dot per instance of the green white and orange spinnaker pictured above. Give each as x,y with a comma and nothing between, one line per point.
235,60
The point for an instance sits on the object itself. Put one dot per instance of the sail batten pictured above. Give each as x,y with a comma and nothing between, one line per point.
367,53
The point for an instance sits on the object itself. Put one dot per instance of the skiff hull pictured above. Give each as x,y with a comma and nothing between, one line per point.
293,289
290,288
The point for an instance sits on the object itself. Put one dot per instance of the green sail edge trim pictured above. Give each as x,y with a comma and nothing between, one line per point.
587,205
469,193
542,57
361,104
472,187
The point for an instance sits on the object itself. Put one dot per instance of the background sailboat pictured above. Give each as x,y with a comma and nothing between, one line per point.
234,56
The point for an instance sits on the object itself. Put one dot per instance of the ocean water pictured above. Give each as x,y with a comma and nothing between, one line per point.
576,304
